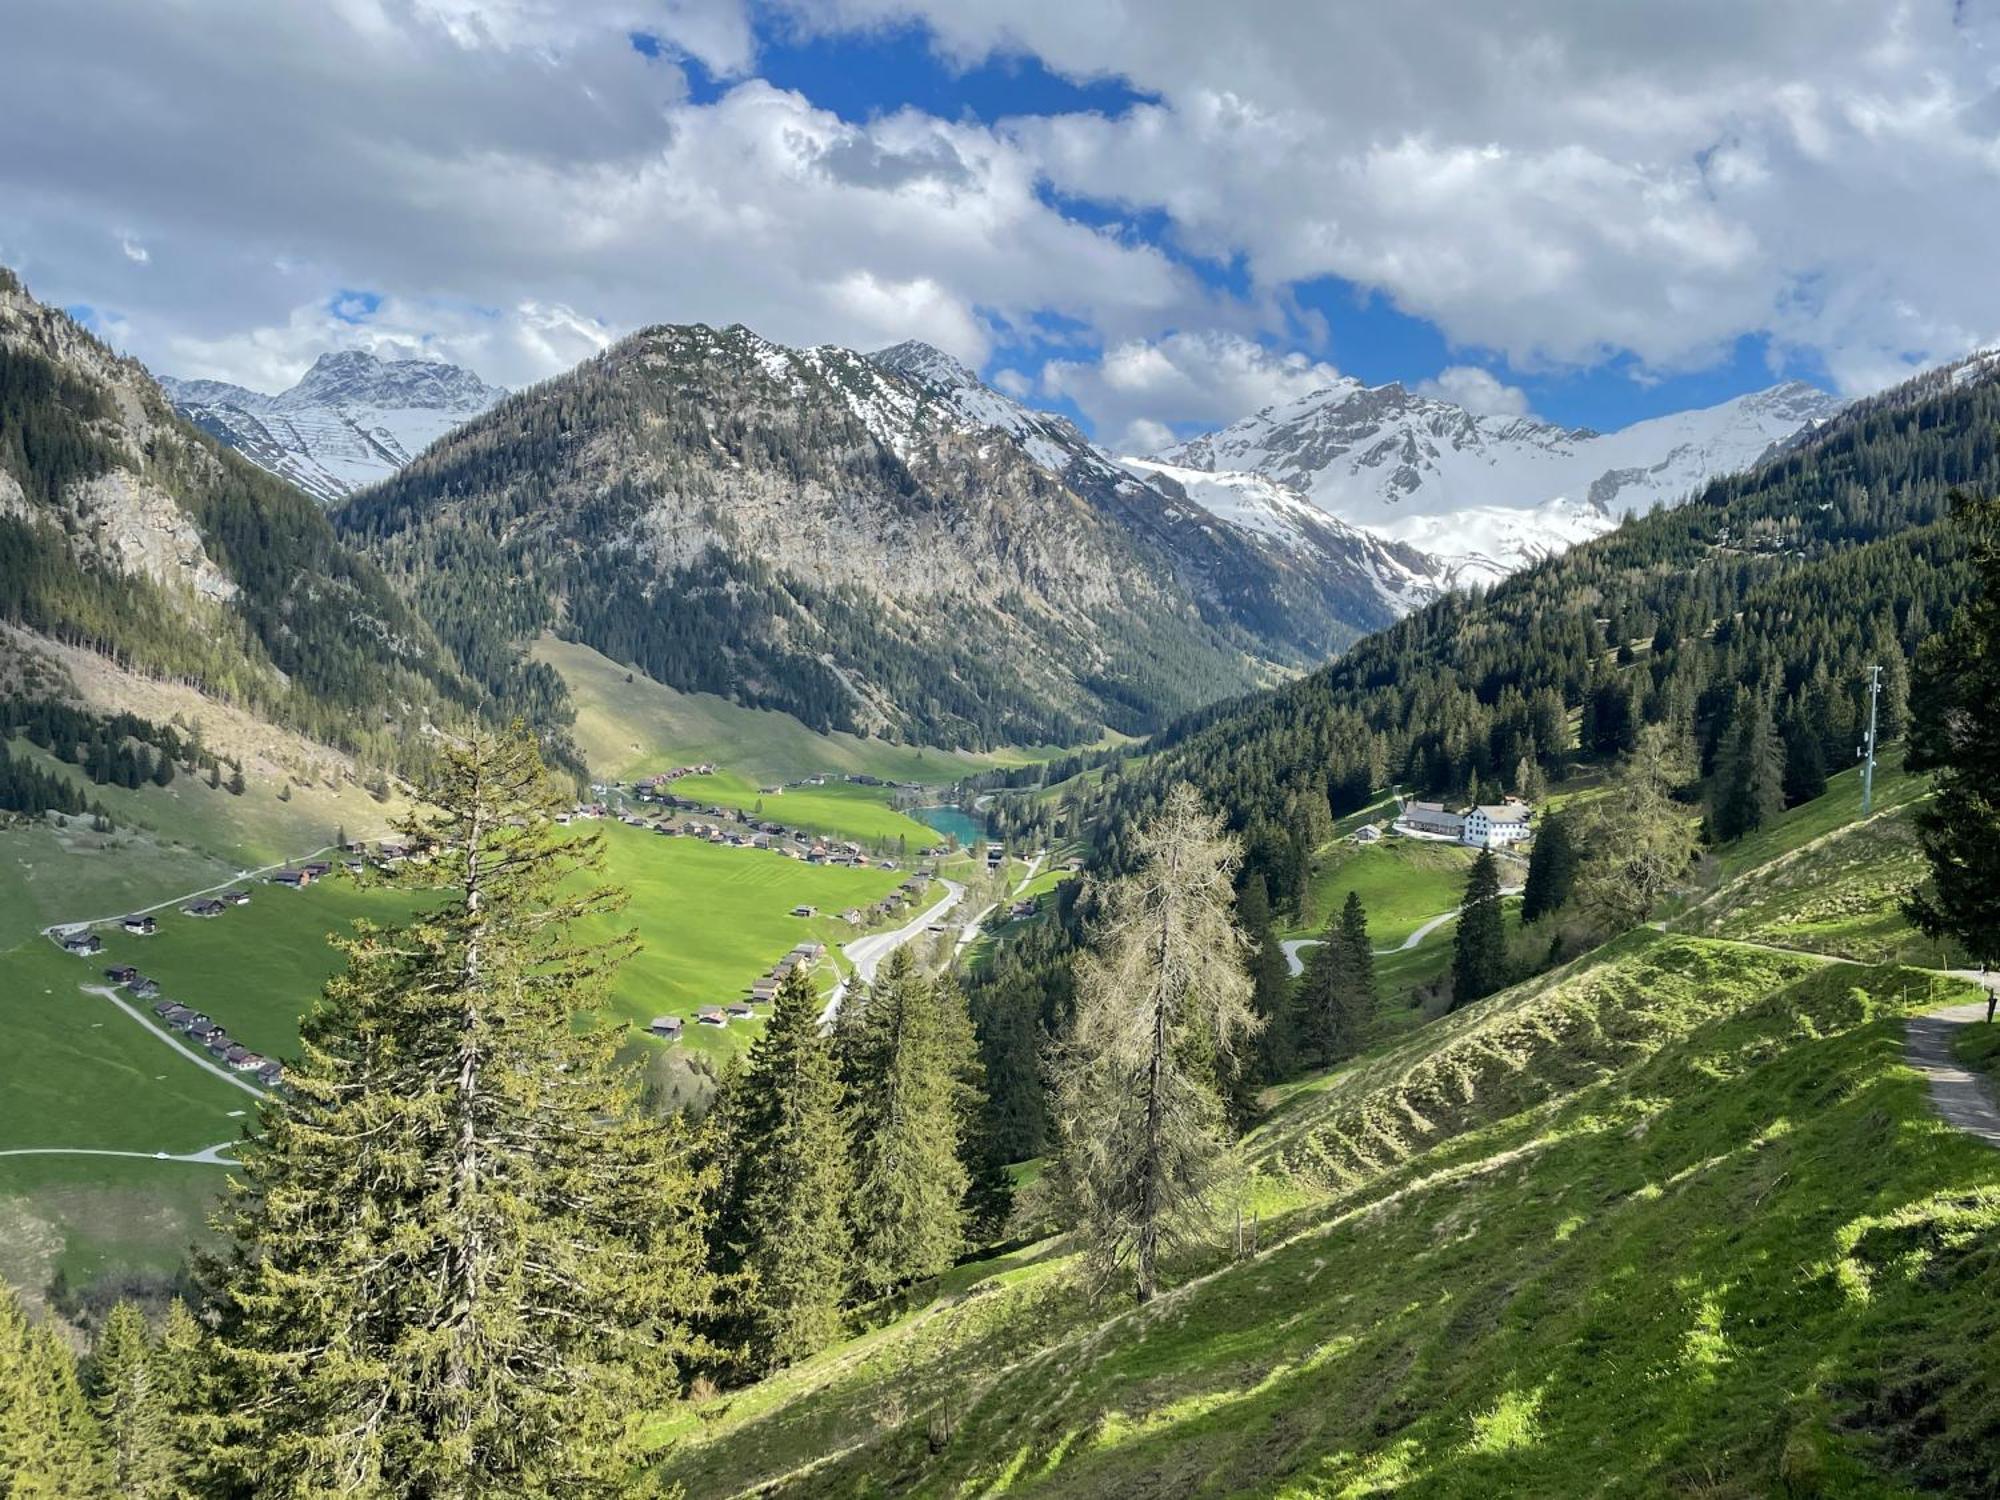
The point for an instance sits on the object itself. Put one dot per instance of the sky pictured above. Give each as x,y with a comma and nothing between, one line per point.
1155,215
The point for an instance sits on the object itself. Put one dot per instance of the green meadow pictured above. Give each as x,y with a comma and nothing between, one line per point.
838,809
1403,883
1676,1220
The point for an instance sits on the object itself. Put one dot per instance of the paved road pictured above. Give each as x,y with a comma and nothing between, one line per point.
1295,965
209,1157
867,953
167,1037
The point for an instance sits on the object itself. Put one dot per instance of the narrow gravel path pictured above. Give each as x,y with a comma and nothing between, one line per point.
1961,1097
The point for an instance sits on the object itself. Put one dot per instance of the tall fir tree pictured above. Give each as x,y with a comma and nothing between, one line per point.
1162,1002
463,1256
798,1180
1805,753
1956,736
50,1447
1551,869
1479,950
911,1109
1364,994
131,1408
1749,783
1270,988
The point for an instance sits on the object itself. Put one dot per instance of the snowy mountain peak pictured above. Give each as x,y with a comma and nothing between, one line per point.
924,363
1492,493
353,418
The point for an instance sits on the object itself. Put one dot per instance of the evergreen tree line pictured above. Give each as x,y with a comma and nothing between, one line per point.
848,1160
462,1258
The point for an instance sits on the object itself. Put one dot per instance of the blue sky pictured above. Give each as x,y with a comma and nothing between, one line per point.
1156,218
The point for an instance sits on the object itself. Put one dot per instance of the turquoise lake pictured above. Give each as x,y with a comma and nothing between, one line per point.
953,822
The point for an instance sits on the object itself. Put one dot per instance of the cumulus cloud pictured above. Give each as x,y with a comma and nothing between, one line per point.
1560,187
1477,390
474,160
1207,377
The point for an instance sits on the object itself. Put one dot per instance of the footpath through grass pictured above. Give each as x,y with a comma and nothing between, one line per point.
1675,1221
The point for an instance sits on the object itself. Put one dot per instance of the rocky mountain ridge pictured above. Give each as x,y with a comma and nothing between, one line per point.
352,420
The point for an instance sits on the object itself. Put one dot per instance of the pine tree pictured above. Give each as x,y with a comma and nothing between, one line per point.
50,1448
1805,755
1362,990
185,1376
1325,1000
1551,869
1636,840
1161,1003
1479,951
130,1406
1749,784
798,1178
911,1112
1956,735
1269,985
463,1256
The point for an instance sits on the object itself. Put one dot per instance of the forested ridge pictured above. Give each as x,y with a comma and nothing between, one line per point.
292,624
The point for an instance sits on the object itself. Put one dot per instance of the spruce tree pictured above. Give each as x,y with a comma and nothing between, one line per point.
463,1256
1363,994
1325,1011
1269,984
1161,1003
797,1178
1551,869
185,1376
1749,784
1955,735
911,1111
1479,951
50,1448
130,1407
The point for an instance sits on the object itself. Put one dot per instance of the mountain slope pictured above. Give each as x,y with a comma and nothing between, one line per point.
125,531
877,545
1790,579
353,419
1304,584
1675,1220
1492,493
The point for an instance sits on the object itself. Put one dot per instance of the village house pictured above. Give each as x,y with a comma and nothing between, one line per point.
177,1016
738,1010
852,916
1430,820
140,926
666,1026
249,1062
711,1015
1495,825
810,952
163,1007
271,1074
318,869
205,908
292,879
236,1054
142,988
198,1025
764,989
236,896
805,911
121,973
83,944
1368,833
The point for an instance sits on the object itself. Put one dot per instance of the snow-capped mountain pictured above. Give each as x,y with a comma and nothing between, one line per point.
352,421
1213,523
1487,493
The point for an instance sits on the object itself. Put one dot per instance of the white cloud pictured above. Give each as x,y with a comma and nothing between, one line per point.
1560,185
1207,377
134,251
1478,391
466,158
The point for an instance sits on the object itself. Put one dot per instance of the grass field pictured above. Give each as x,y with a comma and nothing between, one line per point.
629,728
1841,805
81,1074
1403,883
838,809
1674,1221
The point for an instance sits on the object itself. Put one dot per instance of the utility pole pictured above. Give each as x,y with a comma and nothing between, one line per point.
1867,750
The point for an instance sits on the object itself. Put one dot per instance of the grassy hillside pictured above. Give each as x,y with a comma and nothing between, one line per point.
628,728
1676,1221
1402,882
838,809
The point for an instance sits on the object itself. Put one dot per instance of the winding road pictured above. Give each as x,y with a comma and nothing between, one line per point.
1961,1097
1294,965
867,953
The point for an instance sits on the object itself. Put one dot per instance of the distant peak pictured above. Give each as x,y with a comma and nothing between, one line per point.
923,362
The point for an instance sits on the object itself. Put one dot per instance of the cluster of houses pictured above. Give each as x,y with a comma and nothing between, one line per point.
742,831
197,1028
762,992
1485,826
890,905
